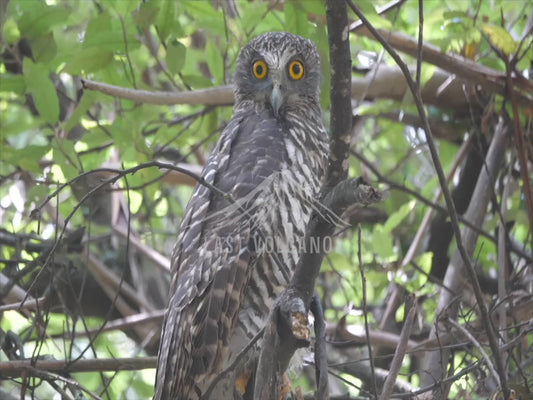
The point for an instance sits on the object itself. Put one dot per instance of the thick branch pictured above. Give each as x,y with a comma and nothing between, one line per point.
465,257
455,274
340,92
18,368
487,78
216,96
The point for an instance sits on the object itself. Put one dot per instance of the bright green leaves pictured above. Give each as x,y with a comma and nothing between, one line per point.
369,10
38,18
11,32
175,56
106,35
43,92
26,159
215,61
12,83
501,39
88,60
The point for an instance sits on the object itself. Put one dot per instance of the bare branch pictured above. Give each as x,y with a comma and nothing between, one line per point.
19,367
485,77
216,96
463,254
399,354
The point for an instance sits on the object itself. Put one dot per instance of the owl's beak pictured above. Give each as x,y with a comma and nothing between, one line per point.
276,99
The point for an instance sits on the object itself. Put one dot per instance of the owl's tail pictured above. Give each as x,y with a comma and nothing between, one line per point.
173,378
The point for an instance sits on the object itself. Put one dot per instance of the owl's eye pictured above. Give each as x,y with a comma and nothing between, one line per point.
260,69
296,70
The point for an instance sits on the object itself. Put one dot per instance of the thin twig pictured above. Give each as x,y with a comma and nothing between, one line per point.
365,312
17,367
478,346
447,196
400,352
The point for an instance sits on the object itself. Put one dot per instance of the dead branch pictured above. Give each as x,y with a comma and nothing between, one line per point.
18,367
455,274
216,96
469,71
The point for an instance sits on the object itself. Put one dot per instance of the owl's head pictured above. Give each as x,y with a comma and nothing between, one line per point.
278,71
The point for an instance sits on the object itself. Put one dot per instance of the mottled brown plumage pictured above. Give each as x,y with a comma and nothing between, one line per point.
235,253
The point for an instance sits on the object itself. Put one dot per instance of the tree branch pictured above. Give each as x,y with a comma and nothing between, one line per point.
399,354
462,252
455,274
20,367
487,78
215,96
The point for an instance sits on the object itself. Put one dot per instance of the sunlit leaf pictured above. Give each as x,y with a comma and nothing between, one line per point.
500,37
11,31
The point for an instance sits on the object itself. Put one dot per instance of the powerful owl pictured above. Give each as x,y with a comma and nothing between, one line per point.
241,233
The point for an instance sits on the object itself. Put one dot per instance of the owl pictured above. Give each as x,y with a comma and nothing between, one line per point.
240,237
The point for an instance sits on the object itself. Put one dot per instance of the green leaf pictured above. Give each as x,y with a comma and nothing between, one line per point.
382,242
394,220
167,21
88,60
42,90
427,72
214,60
147,14
11,31
87,100
107,33
26,159
44,48
40,18
121,7
296,18
369,10
500,38
175,56
12,83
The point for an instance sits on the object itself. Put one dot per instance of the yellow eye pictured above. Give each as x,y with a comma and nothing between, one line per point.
260,69
296,70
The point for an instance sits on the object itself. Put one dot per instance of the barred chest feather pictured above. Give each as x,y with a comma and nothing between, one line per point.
281,210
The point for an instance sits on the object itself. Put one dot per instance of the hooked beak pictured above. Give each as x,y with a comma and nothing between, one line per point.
276,99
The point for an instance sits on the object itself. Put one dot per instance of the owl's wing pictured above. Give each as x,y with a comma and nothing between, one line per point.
213,257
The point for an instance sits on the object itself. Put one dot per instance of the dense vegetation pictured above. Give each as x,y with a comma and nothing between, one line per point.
94,181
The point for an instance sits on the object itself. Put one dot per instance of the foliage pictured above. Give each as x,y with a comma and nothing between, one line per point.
65,198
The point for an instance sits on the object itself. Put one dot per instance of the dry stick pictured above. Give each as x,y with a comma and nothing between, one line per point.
18,367
365,311
216,96
487,78
449,201
400,352
478,346
455,277
520,147
424,225
321,357
502,254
